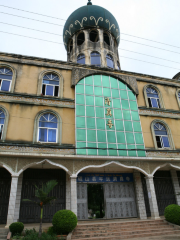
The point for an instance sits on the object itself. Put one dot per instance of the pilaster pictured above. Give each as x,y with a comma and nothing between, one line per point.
74,194
175,185
68,192
18,198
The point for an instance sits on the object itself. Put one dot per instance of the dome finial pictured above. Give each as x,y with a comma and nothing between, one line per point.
89,2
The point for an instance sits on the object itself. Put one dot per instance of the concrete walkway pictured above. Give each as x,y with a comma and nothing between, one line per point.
167,237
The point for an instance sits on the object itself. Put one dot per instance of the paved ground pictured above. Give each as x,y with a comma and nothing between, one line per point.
170,237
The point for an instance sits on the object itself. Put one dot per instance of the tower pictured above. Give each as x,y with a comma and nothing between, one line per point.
91,36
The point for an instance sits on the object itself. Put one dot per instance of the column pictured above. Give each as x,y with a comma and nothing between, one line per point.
103,56
12,201
152,198
74,194
175,185
141,208
68,192
18,198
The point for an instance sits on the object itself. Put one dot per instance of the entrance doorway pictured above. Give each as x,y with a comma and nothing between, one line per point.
96,207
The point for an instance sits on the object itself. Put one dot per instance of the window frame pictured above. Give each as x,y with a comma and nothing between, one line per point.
40,83
81,58
58,129
169,135
12,84
6,120
161,102
99,57
108,54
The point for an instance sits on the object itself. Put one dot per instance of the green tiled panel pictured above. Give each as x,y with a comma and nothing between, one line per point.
81,82
111,137
122,152
102,152
80,110
129,138
91,135
89,100
115,93
100,123
123,94
137,126
90,123
92,151
81,135
79,88
120,137
135,116
98,91
105,81
131,95
126,115
131,153
101,135
114,83
112,152
80,122
90,111
99,101
100,112
89,80
106,92
122,85
125,104
139,138
117,114
80,99
89,90
141,153
133,105
119,125
97,80
128,126
116,103
81,145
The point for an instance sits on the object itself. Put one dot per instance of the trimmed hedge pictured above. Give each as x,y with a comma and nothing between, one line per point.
64,221
51,231
16,228
172,214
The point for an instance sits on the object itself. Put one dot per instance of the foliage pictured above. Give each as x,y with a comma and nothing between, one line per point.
17,236
98,215
64,221
33,235
29,231
44,199
16,228
51,230
172,214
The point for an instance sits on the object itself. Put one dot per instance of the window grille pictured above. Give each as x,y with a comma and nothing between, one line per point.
153,98
161,136
50,86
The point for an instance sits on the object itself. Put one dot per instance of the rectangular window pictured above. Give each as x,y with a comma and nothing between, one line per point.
158,141
56,91
49,90
43,89
149,101
43,135
5,85
51,135
165,141
1,131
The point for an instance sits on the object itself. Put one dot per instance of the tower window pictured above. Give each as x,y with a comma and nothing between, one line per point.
118,65
81,59
50,86
80,38
110,61
153,98
106,38
161,136
5,79
94,36
95,59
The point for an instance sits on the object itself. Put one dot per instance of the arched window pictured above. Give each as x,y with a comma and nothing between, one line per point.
110,61
95,59
153,98
106,38
2,119
50,85
94,36
161,135
48,127
80,38
81,59
5,79
118,65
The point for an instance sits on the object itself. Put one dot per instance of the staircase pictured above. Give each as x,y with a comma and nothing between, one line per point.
123,230
3,233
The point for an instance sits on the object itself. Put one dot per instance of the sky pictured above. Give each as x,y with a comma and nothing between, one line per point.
157,20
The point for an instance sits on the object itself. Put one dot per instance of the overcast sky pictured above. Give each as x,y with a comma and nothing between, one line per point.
157,20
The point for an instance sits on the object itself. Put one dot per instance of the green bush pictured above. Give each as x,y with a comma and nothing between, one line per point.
50,231
172,214
16,228
64,221
34,236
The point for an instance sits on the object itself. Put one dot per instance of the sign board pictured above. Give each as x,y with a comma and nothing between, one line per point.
104,177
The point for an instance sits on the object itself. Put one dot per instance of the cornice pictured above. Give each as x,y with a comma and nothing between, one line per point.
159,112
27,99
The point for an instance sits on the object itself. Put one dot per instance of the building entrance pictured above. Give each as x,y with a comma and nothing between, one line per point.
5,186
106,199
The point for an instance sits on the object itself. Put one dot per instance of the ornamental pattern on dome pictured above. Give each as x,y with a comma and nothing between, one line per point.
90,16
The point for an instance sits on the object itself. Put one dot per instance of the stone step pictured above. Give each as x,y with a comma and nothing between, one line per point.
112,237
155,228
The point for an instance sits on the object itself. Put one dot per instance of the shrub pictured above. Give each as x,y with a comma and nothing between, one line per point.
16,228
29,231
172,214
34,236
64,221
50,231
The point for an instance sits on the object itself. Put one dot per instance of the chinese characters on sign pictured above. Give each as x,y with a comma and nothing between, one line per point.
105,177
109,113
110,123
107,101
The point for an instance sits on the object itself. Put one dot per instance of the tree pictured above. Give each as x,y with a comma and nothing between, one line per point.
42,195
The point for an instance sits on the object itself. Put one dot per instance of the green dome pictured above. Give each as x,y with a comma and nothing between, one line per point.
90,16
